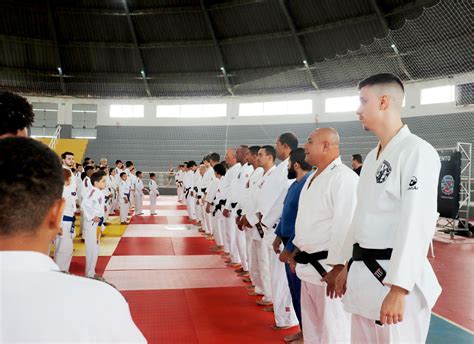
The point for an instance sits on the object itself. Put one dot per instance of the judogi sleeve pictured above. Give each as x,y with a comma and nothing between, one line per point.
90,206
343,191
417,218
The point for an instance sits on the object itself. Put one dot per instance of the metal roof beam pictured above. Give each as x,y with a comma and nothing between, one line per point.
137,48
220,55
386,29
304,55
57,53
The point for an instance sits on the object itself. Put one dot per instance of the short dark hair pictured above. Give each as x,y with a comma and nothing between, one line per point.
31,180
65,154
219,169
214,157
87,159
118,161
357,157
152,175
191,163
97,176
254,150
128,164
122,174
138,173
103,168
381,79
270,150
88,168
289,139
111,170
78,164
15,113
83,176
298,156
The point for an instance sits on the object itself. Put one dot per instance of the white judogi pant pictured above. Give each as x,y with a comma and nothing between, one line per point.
222,225
138,202
63,246
191,204
260,270
216,230
324,319
92,247
124,210
231,229
413,329
207,221
282,306
152,202
241,242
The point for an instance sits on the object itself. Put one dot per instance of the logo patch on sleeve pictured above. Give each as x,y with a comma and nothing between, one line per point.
383,172
412,184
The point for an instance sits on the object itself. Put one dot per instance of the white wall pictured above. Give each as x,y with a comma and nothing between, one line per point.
412,107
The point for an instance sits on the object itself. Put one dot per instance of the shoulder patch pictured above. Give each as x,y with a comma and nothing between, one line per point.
383,172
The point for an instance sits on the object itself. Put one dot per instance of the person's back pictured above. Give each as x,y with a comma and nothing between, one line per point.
41,304
37,302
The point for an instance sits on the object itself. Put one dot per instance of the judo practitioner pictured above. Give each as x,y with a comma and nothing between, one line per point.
153,193
139,193
124,198
391,287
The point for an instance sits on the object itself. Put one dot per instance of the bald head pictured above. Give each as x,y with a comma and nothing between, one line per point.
322,147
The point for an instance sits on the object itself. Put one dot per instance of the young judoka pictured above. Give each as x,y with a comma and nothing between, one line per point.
326,205
63,245
391,286
139,193
124,198
219,173
153,186
112,185
93,207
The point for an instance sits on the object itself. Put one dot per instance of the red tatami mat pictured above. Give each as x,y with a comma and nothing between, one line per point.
207,316
151,220
78,265
191,246
453,267
144,247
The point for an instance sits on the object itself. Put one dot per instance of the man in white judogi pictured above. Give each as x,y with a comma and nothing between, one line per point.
205,183
212,191
390,294
327,202
188,184
256,252
266,216
237,188
179,182
198,195
229,228
33,290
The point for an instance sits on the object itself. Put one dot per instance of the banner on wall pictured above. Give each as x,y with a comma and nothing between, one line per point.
449,184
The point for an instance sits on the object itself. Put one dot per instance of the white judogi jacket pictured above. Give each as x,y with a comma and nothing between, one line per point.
188,180
124,189
33,290
197,179
238,186
73,178
325,211
396,208
226,182
249,198
207,177
139,186
272,194
93,205
69,196
153,188
86,187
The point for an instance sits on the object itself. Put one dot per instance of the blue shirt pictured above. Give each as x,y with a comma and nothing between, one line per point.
286,227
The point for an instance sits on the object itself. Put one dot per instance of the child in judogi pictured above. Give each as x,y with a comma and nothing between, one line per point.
86,186
112,186
153,193
63,245
139,193
124,198
93,207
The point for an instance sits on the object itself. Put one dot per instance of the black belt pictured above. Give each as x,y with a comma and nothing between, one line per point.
233,205
186,192
203,190
195,189
260,229
239,212
370,257
313,259
199,196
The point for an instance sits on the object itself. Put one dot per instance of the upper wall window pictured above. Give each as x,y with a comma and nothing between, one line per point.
342,104
127,111
436,95
191,111
277,108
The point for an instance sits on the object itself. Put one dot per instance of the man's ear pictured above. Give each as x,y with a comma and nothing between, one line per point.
384,102
54,218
